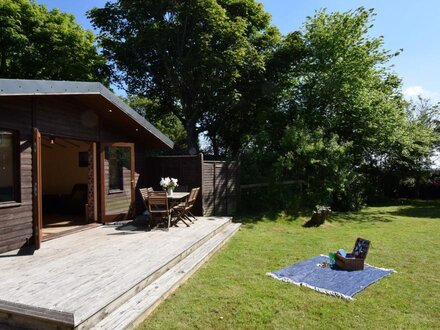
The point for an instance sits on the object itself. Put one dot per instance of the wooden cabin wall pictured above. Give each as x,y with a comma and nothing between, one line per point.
113,133
60,115
16,223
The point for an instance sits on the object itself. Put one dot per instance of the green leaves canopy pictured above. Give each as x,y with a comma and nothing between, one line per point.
39,44
341,122
203,60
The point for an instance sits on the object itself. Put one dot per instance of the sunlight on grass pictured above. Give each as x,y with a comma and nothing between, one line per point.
232,290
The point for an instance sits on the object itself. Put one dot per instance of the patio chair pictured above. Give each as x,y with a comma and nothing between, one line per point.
158,206
183,210
354,260
192,200
144,193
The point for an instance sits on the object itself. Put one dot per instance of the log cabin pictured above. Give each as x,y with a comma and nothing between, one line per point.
71,155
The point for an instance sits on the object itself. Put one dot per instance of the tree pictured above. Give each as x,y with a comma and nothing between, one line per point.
39,44
167,123
347,87
340,122
409,162
204,61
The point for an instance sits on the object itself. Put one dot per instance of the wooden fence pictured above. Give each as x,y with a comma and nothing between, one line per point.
218,180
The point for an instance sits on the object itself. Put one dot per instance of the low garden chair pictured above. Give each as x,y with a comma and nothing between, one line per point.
158,206
183,210
192,200
144,193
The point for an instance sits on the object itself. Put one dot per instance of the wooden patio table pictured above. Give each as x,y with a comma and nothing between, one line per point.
177,196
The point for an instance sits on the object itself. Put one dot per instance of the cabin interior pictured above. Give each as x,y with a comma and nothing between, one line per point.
65,180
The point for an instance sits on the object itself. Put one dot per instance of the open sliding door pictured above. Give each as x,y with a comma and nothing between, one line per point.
117,181
37,191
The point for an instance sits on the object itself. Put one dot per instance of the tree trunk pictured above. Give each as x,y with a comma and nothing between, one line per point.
214,145
3,65
192,139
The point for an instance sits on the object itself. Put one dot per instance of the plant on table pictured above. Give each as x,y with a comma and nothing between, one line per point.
168,184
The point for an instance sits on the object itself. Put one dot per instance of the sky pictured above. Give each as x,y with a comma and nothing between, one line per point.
413,26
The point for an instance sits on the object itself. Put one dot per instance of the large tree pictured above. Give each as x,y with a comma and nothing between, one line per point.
39,44
202,60
341,120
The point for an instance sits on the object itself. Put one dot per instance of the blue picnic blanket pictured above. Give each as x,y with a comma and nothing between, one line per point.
337,282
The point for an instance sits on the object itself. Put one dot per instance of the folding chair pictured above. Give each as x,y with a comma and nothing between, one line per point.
158,206
192,200
144,193
183,210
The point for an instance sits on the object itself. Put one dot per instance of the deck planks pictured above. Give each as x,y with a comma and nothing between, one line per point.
81,273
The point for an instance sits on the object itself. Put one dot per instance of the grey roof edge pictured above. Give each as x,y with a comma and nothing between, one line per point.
58,87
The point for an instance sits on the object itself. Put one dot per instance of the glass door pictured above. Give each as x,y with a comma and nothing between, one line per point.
117,181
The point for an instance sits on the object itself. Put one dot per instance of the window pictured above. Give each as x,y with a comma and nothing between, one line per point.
8,168
118,160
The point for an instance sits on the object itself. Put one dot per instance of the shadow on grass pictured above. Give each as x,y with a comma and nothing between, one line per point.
384,213
414,208
361,217
431,212
253,218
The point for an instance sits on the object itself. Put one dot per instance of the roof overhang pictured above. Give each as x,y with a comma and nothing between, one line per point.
90,92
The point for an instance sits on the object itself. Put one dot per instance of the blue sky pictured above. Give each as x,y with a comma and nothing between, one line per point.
411,25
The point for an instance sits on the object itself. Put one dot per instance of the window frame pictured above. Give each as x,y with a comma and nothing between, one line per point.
16,186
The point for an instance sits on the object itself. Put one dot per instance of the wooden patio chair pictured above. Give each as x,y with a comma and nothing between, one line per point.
144,193
183,210
158,206
192,200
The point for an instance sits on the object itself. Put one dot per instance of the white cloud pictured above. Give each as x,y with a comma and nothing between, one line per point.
415,91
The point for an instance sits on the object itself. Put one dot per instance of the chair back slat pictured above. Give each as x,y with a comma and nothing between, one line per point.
144,193
193,195
157,199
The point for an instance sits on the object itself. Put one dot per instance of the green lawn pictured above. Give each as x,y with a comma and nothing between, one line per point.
232,291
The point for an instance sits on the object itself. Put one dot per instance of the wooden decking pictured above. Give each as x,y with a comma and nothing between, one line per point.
77,280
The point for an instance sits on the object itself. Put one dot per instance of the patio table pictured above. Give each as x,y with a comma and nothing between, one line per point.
176,197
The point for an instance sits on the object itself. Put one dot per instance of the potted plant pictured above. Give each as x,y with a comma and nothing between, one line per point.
168,184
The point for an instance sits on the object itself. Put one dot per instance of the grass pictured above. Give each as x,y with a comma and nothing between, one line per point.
232,290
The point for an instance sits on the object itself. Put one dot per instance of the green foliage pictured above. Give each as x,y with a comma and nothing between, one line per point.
39,44
346,88
341,122
204,61
325,164
408,162
167,123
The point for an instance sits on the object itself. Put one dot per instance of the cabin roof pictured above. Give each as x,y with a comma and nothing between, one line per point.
17,87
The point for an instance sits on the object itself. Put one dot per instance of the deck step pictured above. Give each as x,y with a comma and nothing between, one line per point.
145,282
135,310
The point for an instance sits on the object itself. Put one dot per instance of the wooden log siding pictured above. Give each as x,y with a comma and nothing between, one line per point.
65,116
16,226
60,115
